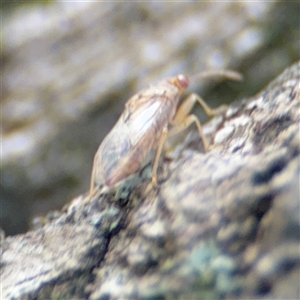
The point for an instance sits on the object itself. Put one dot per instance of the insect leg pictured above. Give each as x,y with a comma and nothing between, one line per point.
162,140
187,105
182,119
186,123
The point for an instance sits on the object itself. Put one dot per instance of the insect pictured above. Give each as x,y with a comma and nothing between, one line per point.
144,125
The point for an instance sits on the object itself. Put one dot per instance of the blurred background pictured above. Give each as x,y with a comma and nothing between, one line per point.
68,68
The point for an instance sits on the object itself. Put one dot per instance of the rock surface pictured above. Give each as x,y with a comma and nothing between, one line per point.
222,225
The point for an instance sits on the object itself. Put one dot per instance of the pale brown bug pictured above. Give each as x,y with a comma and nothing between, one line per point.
143,126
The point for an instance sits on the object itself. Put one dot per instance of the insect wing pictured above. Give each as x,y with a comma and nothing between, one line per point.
143,119
128,143
114,147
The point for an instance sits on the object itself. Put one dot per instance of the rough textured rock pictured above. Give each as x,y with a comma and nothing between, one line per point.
68,68
222,225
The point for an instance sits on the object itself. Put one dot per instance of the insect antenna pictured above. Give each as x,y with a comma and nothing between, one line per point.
233,75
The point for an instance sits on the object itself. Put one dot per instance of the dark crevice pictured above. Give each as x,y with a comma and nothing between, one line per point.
263,288
262,206
265,133
266,175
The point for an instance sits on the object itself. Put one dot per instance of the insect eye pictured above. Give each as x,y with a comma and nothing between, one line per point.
183,81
